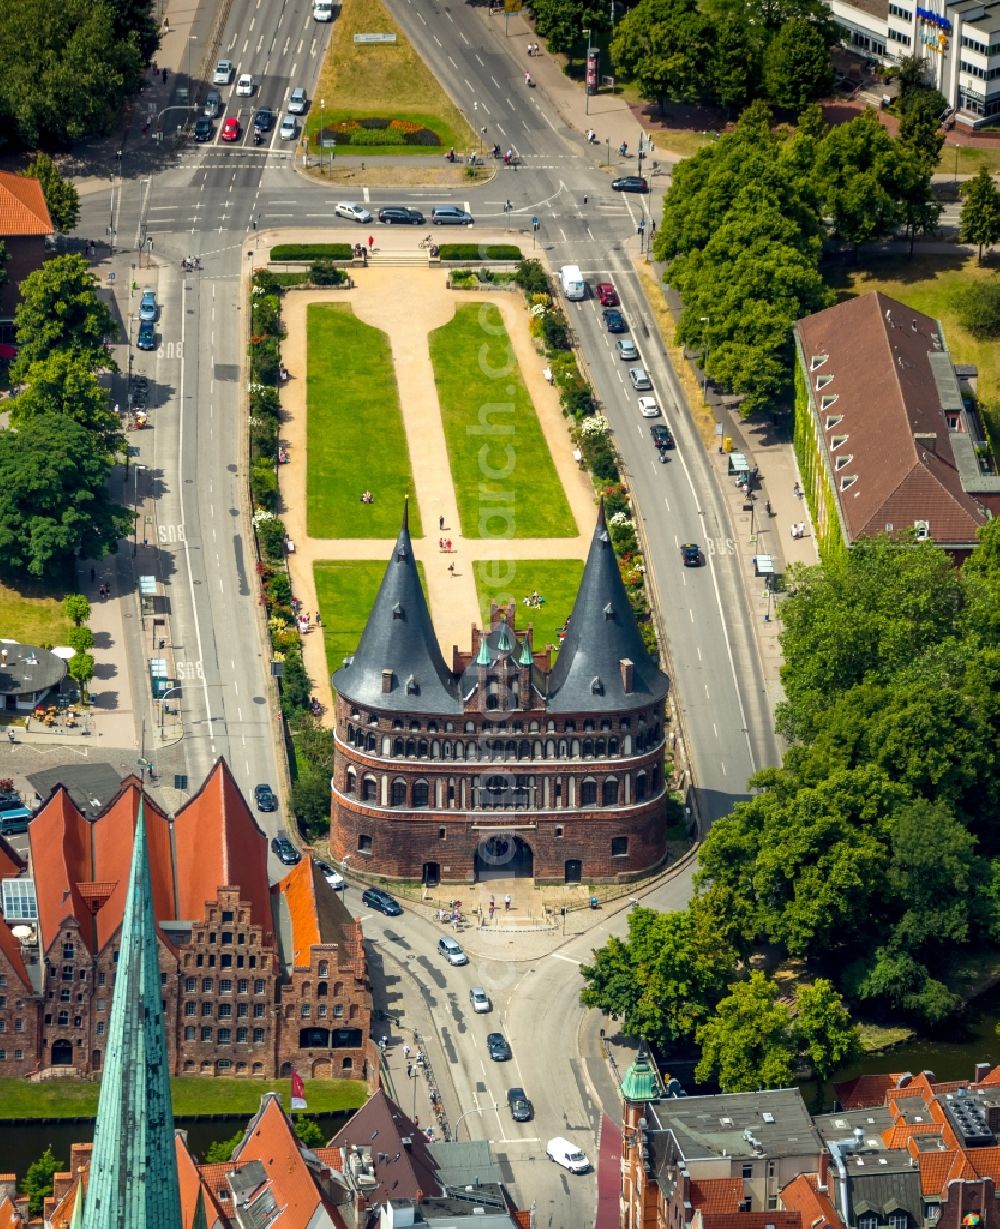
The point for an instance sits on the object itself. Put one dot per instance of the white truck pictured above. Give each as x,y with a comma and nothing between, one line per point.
571,280
567,1155
322,10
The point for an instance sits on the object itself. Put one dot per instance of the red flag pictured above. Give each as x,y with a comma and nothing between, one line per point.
298,1092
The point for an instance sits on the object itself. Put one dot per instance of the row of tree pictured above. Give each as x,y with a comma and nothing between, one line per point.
870,861
745,222
64,438
67,68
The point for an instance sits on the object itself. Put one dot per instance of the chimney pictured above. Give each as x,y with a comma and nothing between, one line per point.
625,666
982,1070
928,439
823,1171
387,680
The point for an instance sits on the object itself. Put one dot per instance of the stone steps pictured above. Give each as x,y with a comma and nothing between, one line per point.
391,257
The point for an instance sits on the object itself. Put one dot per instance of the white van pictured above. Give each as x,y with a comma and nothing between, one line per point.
567,1155
322,10
573,285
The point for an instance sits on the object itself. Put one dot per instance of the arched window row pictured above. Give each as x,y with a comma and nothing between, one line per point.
491,749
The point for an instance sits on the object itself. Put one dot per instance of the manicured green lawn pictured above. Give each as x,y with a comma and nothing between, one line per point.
556,580
505,480
355,431
192,1097
345,590
33,615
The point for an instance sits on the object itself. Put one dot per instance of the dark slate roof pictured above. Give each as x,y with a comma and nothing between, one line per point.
399,636
27,669
602,632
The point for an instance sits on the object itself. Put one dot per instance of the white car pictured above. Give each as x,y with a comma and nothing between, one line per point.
297,101
356,213
223,73
289,129
648,407
244,86
480,1000
567,1155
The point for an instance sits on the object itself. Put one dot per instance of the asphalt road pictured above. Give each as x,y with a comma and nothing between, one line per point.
205,200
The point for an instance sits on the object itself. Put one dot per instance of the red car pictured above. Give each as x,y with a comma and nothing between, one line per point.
231,129
607,294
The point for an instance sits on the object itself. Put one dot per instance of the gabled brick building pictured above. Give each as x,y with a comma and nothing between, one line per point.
502,762
24,226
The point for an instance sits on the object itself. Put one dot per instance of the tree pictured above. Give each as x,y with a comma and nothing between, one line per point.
61,196
854,168
310,1133
62,383
81,639
750,1041
920,125
798,67
737,61
562,22
221,1150
37,1181
663,46
980,220
60,310
824,1031
81,670
911,183
54,500
978,305
76,608
311,796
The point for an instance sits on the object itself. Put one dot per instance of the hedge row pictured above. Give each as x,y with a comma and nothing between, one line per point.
312,251
476,251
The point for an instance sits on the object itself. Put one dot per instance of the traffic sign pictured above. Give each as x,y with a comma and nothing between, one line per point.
111,275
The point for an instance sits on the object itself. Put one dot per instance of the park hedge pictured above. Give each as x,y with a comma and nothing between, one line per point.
312,251
476,251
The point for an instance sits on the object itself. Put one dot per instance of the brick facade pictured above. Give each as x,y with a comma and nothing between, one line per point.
325,1017
18,1021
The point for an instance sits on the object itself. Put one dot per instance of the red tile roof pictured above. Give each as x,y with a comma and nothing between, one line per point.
192,1181
10,947
318,916
712,1195
10,1218
753,1220
23,210
815,1207
935,1170
878,353
992,1077
864,1091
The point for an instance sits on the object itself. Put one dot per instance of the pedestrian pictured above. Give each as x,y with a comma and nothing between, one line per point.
409,1070
492,907
796,489
163,75
406,1050
371,242
447,545
107,590
451,568
585,198
93,575
506,902
317,619
440,522
11,737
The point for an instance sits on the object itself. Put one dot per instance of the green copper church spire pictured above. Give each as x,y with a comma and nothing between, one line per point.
133,1169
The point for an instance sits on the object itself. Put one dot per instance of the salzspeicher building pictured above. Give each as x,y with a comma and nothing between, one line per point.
503,761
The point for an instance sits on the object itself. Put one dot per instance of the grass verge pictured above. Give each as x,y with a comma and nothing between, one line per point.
192,1097
507,485
382,79
353,401
31,614
556,580
345,590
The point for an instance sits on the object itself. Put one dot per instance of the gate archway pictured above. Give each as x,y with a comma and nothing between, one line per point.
504,855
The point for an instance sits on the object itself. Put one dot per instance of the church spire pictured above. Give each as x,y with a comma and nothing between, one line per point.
133,1169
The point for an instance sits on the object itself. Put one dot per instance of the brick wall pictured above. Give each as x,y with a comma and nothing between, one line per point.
24,256
328,995
19,1021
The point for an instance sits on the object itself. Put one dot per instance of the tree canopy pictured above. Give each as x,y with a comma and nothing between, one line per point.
61,196
60,311
980,220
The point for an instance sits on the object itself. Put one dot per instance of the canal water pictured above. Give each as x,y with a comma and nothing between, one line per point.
22,1143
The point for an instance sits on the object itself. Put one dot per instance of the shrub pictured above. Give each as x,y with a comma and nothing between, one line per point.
266,313
263,437
554,330
575,397
279,588
532,278
978,307
623,537
264,361
600,457
296,686
268,282
479,251
326,273
311,251
361,136
271,535
264,485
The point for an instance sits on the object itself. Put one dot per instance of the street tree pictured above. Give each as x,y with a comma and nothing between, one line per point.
54,500
309,1132
63,383
60,310
736,65
980,220
76,608
920,125
824,1031
664,47
38,1180
81,639
798,67
80,669
61,196
911,183
750,1041
854,170
562,22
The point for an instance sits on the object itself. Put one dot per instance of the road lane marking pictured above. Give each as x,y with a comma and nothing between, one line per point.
568,959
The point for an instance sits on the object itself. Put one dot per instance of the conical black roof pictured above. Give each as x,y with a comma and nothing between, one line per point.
399,637
602,633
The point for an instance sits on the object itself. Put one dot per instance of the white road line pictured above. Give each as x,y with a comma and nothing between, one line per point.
568,959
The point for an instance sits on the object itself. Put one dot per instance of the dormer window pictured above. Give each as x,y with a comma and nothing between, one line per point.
828,400
837,441
411,686
833,420
843,460
848,482
823,381
817,361
596,687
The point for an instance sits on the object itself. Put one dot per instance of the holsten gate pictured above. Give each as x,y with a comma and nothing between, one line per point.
505,764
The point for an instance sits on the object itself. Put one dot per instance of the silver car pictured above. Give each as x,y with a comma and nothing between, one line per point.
297,101
289,129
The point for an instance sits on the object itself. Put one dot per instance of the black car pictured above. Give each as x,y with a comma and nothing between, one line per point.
382,901
285,851
662,436
614,321
691,554
400,215
521,1109
263,120
264,797
630,183
497,1045
203,129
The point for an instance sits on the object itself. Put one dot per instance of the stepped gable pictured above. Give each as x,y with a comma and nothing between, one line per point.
59,840
217,844
603,664
398,666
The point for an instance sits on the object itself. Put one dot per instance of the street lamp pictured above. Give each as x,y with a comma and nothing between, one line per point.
704,359
135,504
475,1110
586,71
191,39
169,691
957,148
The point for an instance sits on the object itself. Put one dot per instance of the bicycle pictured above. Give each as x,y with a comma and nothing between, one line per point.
426,242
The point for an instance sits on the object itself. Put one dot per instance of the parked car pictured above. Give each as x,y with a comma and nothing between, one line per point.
231,129
691,555
334,878
567,1155
223,73
521,1109
264,797
289,129
499,1050
480,1000
630,183
15,822
213,104
648,407
285,851
244,86
451,215
352,211
400,215
147,336
203,129
382,901
662,435
614,321
626,349
452,951
263,120
298,101
148,308
606,294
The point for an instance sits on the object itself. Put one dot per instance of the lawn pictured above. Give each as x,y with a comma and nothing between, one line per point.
30,614
353,401
345,590
382,79
192,1097
505,480
556,580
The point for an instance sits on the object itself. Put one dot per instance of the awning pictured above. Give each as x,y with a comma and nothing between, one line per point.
763,565
738,464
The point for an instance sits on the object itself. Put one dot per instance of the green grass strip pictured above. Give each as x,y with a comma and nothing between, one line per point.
555,580
505,480
356,440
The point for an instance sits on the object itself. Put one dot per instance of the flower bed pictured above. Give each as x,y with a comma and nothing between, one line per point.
376,130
